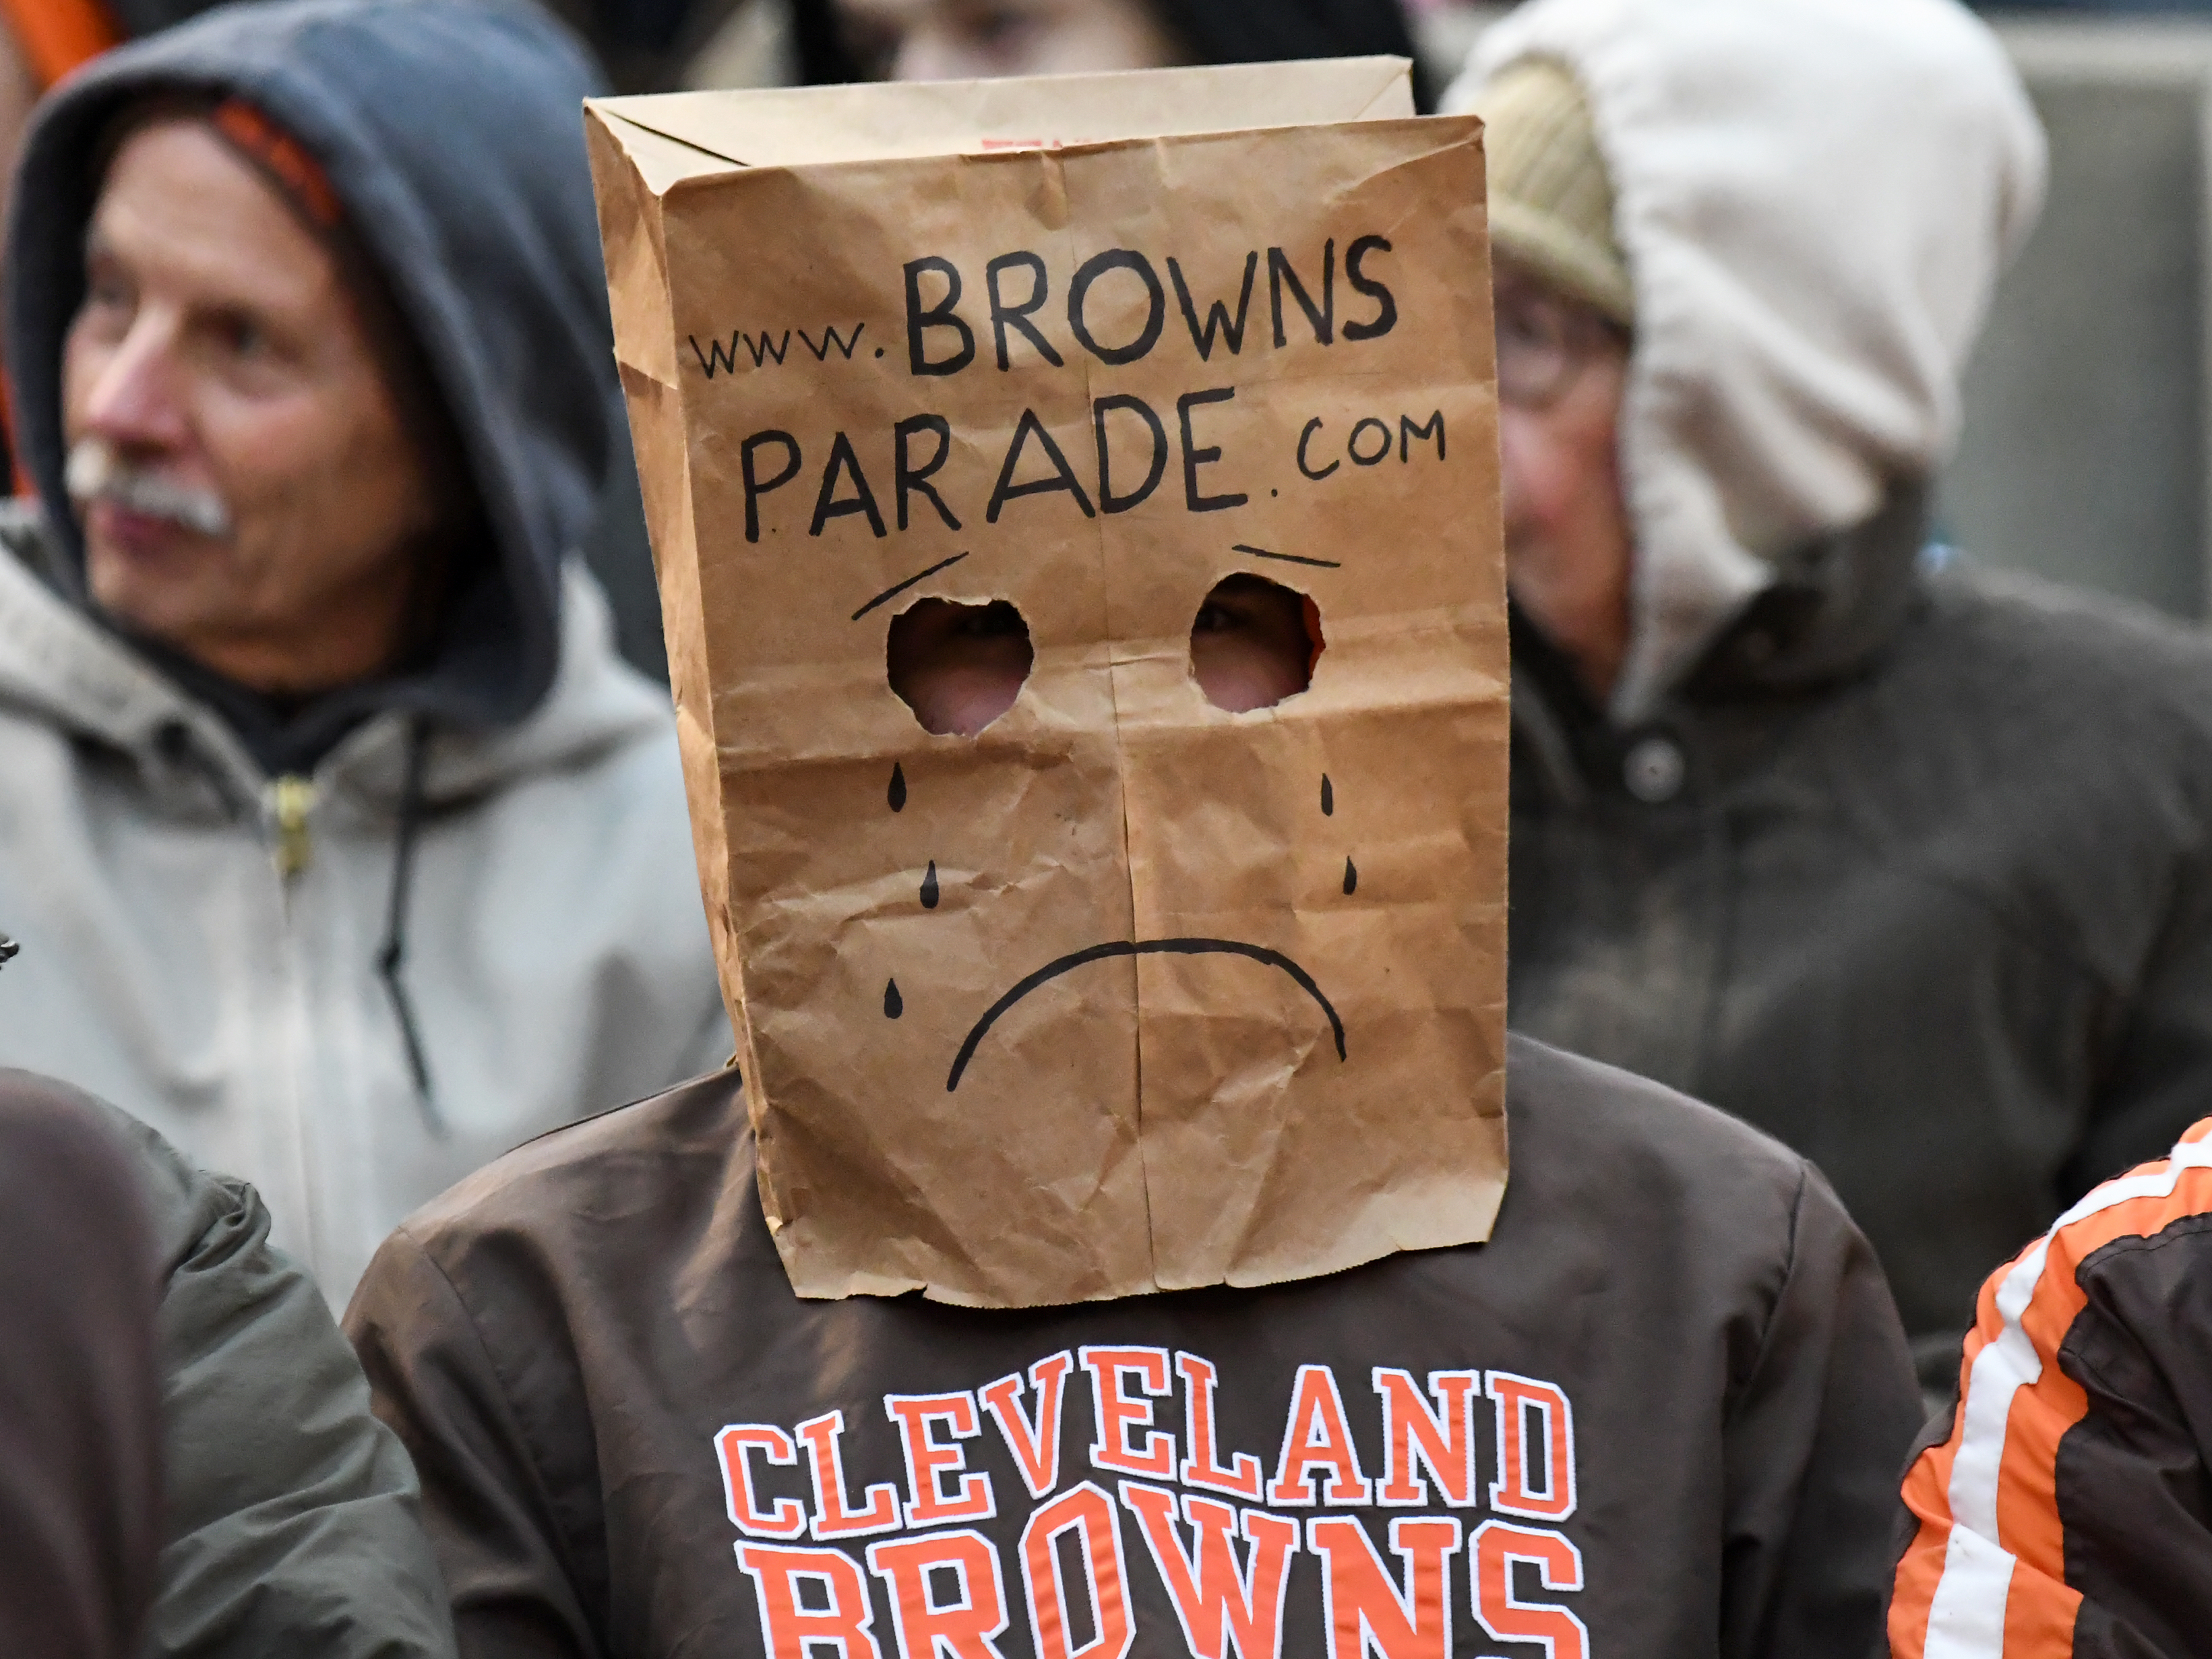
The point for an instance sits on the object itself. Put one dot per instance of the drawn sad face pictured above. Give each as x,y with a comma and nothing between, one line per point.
1252,644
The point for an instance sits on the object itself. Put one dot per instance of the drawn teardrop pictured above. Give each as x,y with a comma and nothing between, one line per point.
929,887
894,1003
1351,876
1327,796
898,788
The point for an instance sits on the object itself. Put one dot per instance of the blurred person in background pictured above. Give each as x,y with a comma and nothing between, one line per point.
43,40
188,1462
644,43
80,1398
1912,868
343,849
973,39
186,1446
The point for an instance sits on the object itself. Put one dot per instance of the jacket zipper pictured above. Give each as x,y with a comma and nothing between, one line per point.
291,799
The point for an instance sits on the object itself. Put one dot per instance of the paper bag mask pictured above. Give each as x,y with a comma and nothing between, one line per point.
1125,992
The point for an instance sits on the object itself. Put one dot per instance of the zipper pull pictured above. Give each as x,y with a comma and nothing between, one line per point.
291,799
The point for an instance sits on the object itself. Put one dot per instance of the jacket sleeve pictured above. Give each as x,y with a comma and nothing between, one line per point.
508,1567
2064,1509
1812,1444
80,1436
293,1519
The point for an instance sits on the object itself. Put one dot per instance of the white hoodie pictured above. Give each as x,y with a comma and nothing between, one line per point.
1816,198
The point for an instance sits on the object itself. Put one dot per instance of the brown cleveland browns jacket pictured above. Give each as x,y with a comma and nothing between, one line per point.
2064,1511
1661,1413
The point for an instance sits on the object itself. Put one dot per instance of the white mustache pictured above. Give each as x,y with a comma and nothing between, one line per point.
96,473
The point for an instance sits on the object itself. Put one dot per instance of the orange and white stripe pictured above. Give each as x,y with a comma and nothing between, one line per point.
1985,1575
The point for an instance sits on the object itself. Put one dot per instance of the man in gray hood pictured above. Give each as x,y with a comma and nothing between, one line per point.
1906,866
343,848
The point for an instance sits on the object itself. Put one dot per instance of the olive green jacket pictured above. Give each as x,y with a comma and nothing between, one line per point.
292,1525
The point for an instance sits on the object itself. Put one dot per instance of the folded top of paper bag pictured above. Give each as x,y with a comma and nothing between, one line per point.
798,126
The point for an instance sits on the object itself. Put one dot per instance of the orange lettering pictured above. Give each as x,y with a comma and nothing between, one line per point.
1241,1478
1515,1490
1316,1435
788,1518
791,1632
1037,1451
1362,1606
1091,1512
1442,1441
965,1627
1497,1545
1117,1414
832,1518
928,1462
1216,1604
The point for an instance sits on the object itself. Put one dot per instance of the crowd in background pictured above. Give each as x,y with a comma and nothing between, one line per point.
344,845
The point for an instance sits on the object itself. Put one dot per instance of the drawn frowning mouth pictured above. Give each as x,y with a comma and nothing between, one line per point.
1146,947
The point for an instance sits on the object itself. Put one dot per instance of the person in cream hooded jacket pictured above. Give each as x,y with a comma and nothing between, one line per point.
349,946
1909,866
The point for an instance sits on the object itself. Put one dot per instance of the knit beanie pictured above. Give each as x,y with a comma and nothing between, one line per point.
1550,198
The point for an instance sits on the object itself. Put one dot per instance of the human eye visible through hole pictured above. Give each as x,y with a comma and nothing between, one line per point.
1253,642
958,666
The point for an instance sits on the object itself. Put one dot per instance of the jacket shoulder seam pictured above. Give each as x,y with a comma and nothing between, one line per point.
2071,1350
1738,1385
507,1392
2180,1228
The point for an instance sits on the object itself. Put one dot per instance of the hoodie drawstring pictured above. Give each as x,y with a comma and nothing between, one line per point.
393,957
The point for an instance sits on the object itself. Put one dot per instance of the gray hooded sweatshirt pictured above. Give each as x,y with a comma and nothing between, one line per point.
474,916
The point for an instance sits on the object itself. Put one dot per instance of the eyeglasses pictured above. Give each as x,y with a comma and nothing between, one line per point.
1545,341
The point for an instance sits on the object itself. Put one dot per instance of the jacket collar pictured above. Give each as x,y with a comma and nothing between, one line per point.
1834,606
1834,603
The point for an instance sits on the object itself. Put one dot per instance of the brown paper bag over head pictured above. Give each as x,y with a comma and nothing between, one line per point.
1124,992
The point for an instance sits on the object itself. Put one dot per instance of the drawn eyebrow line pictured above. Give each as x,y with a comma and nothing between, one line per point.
1288,558
1146,947
897,588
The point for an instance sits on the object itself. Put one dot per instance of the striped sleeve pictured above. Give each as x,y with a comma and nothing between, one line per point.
1984,1573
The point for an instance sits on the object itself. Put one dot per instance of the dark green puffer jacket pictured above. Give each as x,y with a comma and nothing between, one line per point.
1913,872
292,1525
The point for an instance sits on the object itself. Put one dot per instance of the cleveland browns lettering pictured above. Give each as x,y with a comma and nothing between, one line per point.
1219,1527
